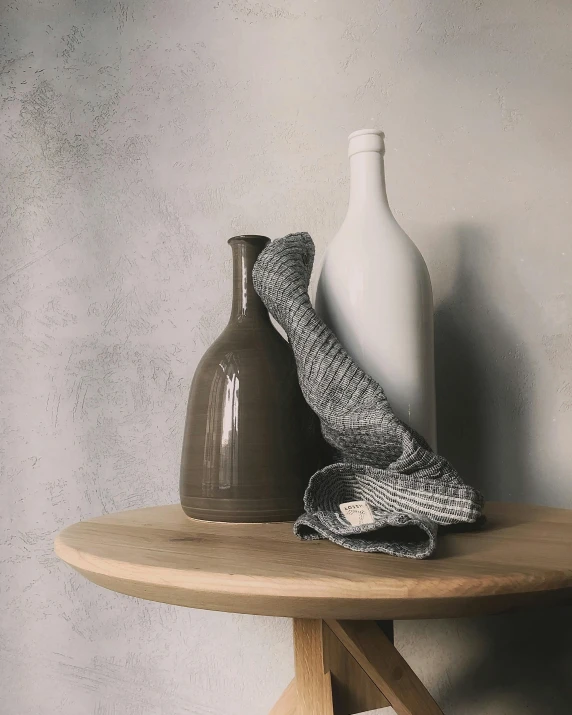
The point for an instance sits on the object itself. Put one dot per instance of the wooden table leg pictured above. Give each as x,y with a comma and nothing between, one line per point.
329,681
347,667
288,702
312,681
352,689
386,667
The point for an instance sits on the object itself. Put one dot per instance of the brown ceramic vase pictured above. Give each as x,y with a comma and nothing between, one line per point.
251,442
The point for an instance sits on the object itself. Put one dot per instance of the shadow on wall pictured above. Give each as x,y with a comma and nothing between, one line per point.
483,376
523,661
522,664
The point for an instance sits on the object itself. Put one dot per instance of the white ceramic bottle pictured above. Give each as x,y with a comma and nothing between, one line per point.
374,292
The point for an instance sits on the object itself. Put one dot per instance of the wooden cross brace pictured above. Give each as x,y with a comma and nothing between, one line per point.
348,667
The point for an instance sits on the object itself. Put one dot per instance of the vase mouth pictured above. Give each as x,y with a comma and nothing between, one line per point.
252,239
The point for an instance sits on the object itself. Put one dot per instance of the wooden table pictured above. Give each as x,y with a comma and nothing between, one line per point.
345,660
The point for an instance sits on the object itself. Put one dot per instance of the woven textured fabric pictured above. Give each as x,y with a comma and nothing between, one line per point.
380,460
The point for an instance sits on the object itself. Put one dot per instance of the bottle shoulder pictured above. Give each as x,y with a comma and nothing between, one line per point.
374,245
250,353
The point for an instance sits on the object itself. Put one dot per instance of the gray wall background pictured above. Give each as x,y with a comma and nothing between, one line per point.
136,138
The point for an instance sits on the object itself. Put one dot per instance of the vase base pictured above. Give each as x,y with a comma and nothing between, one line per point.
242,511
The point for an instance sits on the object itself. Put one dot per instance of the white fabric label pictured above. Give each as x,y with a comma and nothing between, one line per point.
357,512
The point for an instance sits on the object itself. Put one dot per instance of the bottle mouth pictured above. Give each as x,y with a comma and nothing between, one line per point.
360,132
366,140
251,239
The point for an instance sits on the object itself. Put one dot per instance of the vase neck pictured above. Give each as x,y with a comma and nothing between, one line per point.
367,174
246,303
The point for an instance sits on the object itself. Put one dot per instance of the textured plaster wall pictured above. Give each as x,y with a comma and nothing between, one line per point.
136,137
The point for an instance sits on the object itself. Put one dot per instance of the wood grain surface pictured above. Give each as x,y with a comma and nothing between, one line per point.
523,556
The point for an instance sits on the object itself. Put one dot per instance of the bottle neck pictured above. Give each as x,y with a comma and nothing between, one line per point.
246,303
367,183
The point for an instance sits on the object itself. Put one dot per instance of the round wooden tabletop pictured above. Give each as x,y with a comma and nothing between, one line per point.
522,556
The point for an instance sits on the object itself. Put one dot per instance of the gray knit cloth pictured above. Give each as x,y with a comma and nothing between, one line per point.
410,489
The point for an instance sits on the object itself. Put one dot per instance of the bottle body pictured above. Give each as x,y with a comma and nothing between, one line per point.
251,442
374,292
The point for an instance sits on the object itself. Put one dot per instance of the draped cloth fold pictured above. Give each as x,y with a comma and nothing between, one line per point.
380,460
